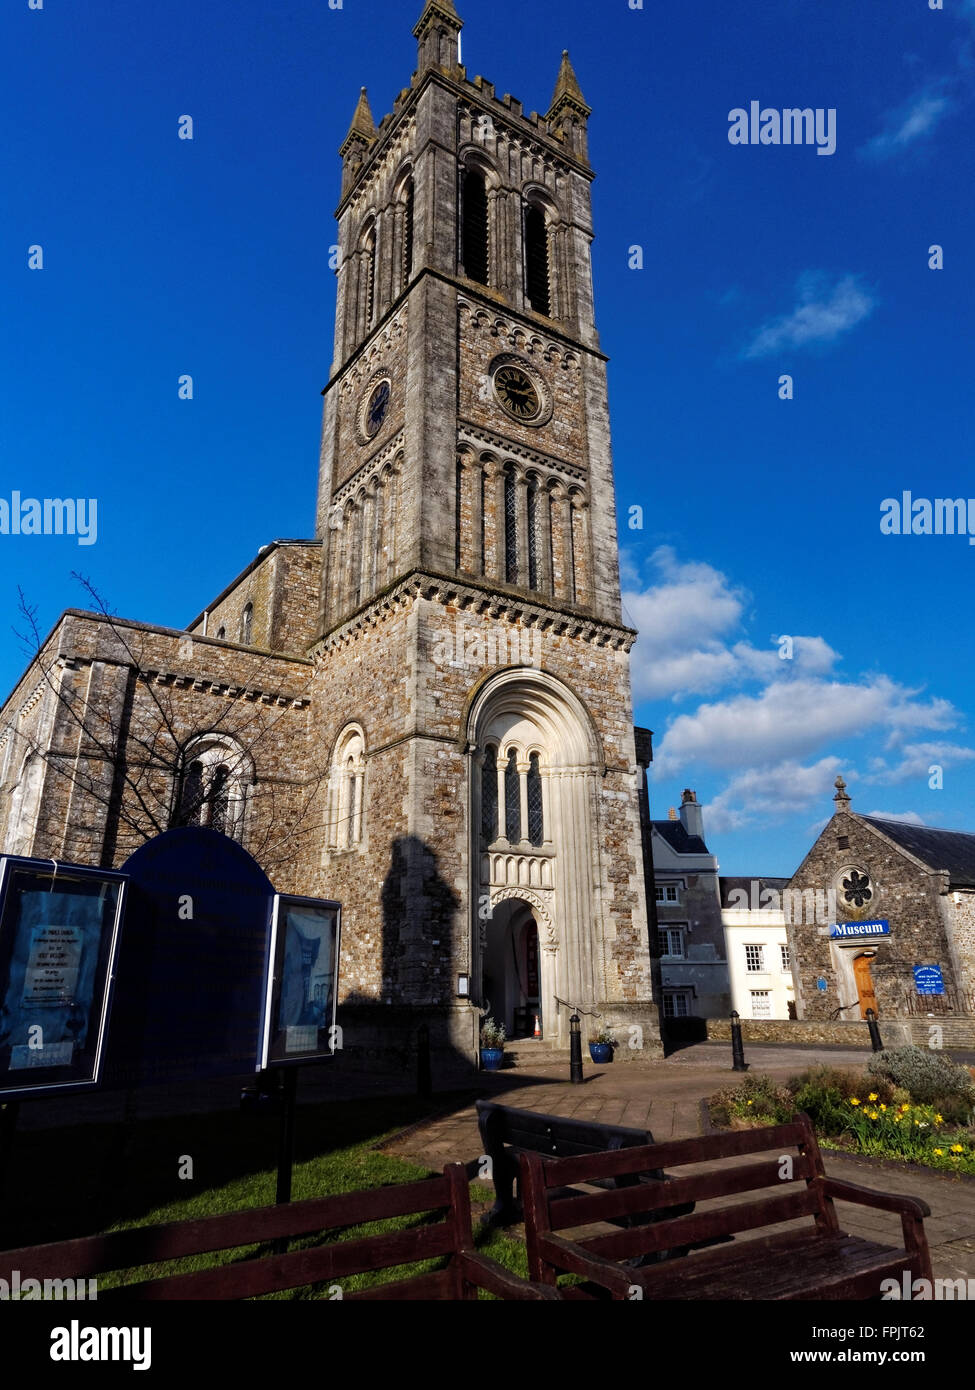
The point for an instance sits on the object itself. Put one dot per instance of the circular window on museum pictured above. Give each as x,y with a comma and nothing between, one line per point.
855,891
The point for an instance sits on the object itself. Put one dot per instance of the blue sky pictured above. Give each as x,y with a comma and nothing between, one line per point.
761,516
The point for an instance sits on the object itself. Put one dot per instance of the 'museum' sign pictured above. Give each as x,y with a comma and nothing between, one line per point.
841,930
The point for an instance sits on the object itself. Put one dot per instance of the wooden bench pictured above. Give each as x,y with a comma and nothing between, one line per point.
812,1260
507,1132
451,1238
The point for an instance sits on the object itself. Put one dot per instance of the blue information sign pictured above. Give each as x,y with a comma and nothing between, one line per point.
822,985
928,979
841,931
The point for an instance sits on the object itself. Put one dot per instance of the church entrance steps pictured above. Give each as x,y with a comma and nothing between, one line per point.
526,1052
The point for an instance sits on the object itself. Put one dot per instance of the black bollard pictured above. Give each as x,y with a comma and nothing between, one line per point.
738,1062
875,1042
423,1083
575,1051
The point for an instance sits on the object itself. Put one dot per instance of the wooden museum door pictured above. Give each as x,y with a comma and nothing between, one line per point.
864,980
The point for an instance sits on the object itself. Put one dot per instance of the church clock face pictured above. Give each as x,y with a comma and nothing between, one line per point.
521,391
517,393
375,407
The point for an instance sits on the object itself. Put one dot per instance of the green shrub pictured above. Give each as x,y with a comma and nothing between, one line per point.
756,1098
930,1077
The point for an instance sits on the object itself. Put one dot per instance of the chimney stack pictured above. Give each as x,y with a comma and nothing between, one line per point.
691,815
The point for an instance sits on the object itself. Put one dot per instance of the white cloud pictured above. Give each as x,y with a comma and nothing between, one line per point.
822,314
686,620
909,817
918,117
793,719
917,760
770,792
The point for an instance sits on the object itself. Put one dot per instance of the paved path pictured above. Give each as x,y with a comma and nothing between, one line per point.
666,1097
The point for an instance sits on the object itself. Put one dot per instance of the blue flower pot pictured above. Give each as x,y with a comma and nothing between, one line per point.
601,1052
491,1058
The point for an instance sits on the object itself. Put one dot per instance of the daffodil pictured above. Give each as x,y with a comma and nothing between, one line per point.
883,1107
854,1101
957,1149
874,1115
873,1096
940,1152
939,1119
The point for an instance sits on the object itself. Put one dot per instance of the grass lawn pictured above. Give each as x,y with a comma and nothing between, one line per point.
80,1181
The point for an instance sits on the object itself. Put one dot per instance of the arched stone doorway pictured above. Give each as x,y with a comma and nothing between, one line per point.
534,768
511,968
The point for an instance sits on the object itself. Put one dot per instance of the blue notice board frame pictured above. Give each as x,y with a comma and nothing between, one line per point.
60,927
302,992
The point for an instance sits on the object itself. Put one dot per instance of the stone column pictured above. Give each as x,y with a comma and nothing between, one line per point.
467,474
580,548
502,764
523,769
494,567
561,544
356,828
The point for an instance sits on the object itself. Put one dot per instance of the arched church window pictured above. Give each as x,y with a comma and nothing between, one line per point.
536,822
475,240
347,790
512,799
510,528
537,283
489,795
215,782
247,624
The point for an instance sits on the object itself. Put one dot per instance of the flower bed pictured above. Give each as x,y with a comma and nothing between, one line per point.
866,1112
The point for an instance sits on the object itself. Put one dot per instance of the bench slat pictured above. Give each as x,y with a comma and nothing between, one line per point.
563,1172
655,1196
118,1250
688,1230
271,1274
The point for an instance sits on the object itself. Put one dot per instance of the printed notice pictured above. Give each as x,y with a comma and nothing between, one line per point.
301,1038
53,1055
51,977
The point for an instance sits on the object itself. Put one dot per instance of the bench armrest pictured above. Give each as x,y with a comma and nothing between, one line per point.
912,1211
486,1273
884,1201
572,1259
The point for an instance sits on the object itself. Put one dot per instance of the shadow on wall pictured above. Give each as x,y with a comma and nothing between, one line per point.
423,949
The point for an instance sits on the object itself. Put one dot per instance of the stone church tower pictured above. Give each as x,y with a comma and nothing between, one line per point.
425,710
473,660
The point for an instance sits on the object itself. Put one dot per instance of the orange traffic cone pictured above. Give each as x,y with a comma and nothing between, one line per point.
538,1028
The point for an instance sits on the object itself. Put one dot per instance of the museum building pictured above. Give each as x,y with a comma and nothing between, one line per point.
881,916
